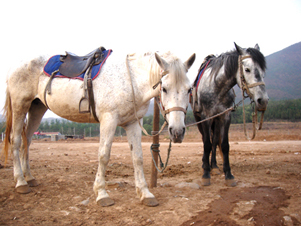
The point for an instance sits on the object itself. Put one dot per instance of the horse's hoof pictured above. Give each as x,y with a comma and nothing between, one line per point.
23,189
215,171
205,181
32,183
151,202
231,183
106,202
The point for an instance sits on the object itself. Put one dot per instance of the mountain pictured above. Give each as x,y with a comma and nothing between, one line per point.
283,74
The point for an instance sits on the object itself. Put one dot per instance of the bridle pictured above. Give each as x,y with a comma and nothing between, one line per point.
160,105
159,102
245,88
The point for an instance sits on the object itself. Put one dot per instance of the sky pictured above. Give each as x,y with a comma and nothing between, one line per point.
30,28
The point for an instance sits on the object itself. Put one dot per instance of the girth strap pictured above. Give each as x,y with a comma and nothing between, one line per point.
91,94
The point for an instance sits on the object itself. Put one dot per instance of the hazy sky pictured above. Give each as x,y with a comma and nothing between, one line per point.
32,28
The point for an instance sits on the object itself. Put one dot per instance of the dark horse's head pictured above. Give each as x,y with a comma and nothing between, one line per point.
251,68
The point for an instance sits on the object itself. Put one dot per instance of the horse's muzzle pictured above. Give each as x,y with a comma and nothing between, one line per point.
262,103
176,135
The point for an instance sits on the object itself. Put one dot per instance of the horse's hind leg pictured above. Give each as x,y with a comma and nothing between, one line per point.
20,108
35,115
134,138
215,143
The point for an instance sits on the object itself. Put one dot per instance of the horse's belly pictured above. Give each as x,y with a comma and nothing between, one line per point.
64,98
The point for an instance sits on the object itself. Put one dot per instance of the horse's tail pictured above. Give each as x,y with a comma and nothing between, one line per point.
9,119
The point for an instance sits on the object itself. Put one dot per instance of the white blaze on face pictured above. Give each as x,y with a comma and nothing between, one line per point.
176,99
175,89
254,74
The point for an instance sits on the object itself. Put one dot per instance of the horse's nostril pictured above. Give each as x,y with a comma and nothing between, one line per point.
259,101
170,130
183,131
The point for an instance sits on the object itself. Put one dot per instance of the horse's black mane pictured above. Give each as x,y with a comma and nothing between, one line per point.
230,61
258,58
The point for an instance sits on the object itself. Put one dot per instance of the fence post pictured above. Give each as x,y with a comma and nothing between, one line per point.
156,120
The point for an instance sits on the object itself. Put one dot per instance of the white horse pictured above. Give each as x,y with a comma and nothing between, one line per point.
115,90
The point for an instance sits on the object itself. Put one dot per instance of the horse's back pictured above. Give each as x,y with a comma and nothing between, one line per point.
22,81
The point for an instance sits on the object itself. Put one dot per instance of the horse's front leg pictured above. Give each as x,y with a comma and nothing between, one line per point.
204,130
134,138
207,149
230,181
107,129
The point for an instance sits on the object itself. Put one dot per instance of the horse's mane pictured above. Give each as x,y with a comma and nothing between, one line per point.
230,61
176,68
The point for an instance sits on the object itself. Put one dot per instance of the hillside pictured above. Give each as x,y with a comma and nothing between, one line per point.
283,77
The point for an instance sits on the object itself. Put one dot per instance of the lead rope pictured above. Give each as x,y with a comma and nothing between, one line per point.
162,165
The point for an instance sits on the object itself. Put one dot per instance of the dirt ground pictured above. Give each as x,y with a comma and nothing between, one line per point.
267,170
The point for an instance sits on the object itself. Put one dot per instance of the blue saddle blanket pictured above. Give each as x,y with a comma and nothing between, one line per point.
54,63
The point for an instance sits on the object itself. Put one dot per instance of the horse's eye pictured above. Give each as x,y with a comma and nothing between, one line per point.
247,70
164,90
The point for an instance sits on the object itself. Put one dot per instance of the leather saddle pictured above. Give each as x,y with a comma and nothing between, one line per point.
74,65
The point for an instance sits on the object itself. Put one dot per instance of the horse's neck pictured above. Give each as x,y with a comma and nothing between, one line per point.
223,83
139,76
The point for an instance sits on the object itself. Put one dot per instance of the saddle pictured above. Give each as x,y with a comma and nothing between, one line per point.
74,65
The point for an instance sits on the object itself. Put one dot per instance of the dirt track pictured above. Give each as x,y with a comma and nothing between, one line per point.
268,172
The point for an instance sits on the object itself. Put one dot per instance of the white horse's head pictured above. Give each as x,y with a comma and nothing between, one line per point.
252,65
175,88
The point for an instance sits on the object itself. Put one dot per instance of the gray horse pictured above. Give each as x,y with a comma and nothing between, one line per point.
212,94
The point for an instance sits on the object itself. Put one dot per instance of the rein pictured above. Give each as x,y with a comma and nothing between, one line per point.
245,88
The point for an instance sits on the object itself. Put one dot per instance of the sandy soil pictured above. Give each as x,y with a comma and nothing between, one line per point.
268,192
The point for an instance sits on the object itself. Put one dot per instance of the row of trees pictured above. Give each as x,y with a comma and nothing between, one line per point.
284,110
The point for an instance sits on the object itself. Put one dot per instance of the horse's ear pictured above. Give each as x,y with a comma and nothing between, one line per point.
190,61
257,47
163,64
238,49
